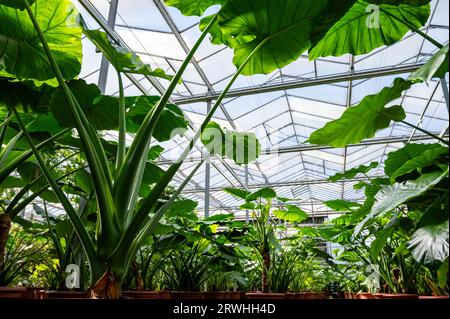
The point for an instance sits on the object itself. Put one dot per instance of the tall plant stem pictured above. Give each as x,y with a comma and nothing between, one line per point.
4,127
92,147
132,169
149,203
414,28
121,149
426,132
74,218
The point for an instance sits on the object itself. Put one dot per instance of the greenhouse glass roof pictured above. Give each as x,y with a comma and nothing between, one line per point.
282,108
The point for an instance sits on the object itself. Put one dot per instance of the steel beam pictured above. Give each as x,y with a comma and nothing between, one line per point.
289,85
445,90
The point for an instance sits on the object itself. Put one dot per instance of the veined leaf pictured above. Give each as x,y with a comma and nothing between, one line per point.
237,192
437,66
242,148
181,208
396,160
365,119
427,158
392,196
430,243
266,193
278,30
16,4
121,58
380,241
22,55
340,205
352,173
193,7
364,28
292,214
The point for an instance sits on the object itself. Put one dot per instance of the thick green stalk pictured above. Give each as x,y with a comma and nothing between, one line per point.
82,233
150,202
6,170
131,171
56,242
110,227
413,28
426,132
4,127
121,148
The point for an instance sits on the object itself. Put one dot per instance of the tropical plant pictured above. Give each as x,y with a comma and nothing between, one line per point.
262,43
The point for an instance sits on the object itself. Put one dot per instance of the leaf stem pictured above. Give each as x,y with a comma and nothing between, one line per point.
74,218
426,132
414,28
121,149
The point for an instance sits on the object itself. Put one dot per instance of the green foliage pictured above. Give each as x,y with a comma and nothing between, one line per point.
22,55
364,120
193,7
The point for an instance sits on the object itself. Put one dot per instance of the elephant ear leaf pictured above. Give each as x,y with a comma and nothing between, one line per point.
291,214
193,7
365,119
271,34
16,4
392,196
121,58
22,55
368,25
429,242
436,67
242,148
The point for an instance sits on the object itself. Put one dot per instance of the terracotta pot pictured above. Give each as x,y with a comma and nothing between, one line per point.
378,296
260,295
141,294
164,295
349,295
315,295
53,294
33,292
13,293
365,295
185,295
223,295
432,297
399,296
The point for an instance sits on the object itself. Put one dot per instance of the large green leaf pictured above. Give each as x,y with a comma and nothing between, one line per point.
365,119
380,241
291,214
437,66
101,111
430,243
193,7
121,58
396,160
352,173
278,29
171,119
21,52
265,193
353,34
392,196
340,205
16,4
237,192
427,158
183,207
242,148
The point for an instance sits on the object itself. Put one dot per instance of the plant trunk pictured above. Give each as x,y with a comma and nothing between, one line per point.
139,282
107,287
265,270
5,226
